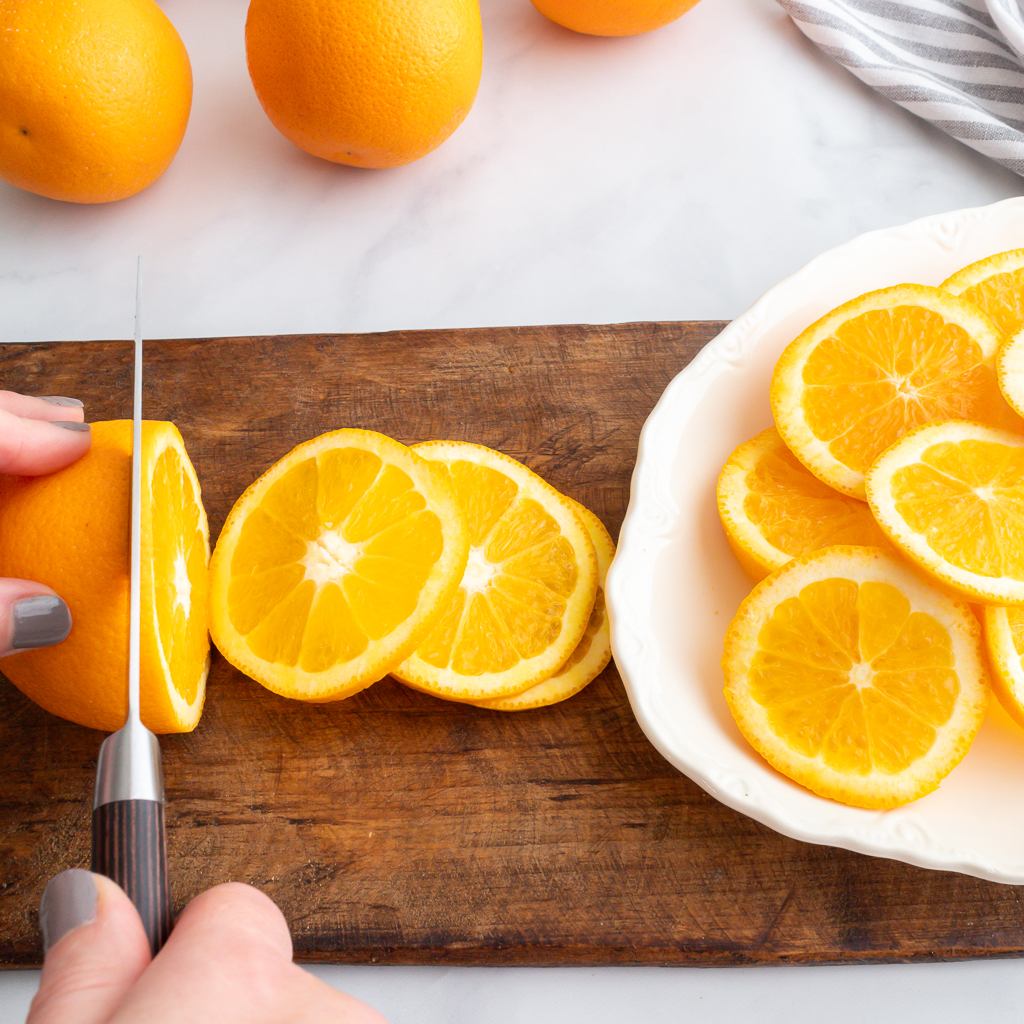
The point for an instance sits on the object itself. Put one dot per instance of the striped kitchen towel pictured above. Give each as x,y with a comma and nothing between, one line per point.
956,63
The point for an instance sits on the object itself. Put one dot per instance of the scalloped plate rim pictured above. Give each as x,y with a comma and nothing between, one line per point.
892,834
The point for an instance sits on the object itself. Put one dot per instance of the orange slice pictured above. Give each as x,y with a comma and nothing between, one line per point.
877,367
996,285
774,509
592,653
70,531
1004,638
528,590
951,497
333,565
855,677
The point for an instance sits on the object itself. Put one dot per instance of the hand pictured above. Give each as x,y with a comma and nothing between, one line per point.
37,436
228,960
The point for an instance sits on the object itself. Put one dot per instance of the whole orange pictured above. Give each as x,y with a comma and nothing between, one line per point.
94,96
613,17
69,531
372,83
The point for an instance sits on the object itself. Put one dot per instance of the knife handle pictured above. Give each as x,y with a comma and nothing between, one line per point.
129,845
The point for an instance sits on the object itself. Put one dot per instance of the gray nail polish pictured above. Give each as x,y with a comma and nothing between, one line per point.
39,622
72,403
68,902
71,424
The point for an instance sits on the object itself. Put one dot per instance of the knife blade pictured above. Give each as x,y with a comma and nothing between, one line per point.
128,831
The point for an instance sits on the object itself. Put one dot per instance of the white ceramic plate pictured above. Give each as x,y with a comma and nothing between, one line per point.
675,585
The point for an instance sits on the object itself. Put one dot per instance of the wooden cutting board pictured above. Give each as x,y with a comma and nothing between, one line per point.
397,828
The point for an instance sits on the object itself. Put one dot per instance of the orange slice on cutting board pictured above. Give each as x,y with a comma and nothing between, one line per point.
528,590
591,654
333,565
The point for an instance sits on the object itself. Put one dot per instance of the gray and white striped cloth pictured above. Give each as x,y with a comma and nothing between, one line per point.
956,63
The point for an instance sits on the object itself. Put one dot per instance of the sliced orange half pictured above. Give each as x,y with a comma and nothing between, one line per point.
1004,638
592,653
951,497
525,598
855,677
773,508
70,531
333,565
877,367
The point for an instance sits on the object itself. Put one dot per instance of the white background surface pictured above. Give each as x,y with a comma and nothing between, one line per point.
670,176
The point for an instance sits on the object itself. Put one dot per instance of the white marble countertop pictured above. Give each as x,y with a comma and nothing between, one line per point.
670,176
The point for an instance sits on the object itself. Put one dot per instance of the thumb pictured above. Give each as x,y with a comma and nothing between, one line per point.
96,949
31,615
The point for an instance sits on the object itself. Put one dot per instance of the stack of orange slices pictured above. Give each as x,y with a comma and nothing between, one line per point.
884,518
448,565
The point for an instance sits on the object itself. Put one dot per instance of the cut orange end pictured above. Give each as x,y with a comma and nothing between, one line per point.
853,676
877,367
774,509
951,497
592,653
69,530
333,565
528,590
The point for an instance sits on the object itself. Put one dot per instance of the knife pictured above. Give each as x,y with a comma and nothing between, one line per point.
128,838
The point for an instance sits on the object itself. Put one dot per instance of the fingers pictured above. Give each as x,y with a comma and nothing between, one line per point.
31,615
96,950
34,446
231,950
52,407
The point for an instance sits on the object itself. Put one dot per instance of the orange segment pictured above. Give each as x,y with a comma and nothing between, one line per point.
877,367
528,589
773,508
951,497
854,677
332,566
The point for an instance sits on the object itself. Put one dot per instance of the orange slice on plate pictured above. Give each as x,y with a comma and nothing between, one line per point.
877,367
996,285
855,677
950,496
1004,638
774,509
525,598
333,565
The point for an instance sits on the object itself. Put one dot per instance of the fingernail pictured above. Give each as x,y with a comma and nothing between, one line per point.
73,403
39,622
71,424
68,902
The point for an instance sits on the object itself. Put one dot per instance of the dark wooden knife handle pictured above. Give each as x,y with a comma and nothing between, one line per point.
129,845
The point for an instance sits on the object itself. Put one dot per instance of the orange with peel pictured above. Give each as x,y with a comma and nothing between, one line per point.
371,83
94,97
613,17
69,530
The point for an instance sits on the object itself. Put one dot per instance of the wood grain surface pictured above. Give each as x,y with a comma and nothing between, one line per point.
398,828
